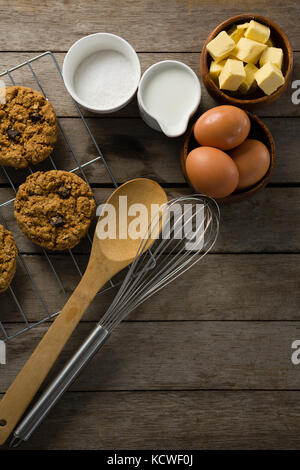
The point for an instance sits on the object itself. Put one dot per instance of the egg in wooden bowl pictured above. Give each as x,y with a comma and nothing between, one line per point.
251,151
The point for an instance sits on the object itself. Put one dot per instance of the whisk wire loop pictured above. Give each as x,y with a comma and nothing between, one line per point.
170,253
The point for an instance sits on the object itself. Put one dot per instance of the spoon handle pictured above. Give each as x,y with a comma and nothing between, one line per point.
61,383
28,381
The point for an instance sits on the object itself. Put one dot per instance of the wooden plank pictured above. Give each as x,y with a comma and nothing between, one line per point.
55,90
202,293
153,25
132,149
285,132
177,355
171,420
267,222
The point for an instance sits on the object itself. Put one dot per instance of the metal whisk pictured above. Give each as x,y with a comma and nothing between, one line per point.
180,234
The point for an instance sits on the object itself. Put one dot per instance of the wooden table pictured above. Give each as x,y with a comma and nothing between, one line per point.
207,363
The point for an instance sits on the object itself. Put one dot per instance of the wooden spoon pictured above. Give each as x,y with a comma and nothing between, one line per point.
108,257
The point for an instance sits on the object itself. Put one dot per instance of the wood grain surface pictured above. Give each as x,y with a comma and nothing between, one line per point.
132,149
171,355
151,25
204,293
205,364
131,420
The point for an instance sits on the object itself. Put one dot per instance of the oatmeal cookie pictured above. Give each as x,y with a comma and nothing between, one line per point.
28,127
8,258
54,209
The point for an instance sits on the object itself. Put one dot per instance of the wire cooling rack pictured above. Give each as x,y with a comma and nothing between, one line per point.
28,75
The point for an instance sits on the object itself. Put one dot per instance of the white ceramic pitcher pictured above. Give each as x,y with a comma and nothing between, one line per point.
169,93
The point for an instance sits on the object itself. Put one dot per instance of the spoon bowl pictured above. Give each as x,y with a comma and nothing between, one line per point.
141,196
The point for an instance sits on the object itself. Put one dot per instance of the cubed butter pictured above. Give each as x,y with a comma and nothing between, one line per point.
232,75
248,50
221,46
249,82
272,54
269,43
235,33
242,26
269,78
215,70
257,32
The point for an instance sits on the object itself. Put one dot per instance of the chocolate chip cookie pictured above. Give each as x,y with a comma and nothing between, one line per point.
28,127
54,209
8,258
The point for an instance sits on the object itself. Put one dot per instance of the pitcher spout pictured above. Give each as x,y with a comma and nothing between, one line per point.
174,130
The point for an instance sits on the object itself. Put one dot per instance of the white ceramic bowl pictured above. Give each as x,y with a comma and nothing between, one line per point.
89,45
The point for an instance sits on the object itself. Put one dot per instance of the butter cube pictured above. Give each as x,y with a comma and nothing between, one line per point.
242,26
269,78
221,46
249,82
248,50
235,33
269,43
257,32
215,70
272,54
232,75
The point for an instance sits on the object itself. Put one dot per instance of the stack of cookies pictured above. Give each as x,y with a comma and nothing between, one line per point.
54,209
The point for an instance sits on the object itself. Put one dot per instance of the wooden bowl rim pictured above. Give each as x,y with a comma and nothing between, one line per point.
240,101
235,197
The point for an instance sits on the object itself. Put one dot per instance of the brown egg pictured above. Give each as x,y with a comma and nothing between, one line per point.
223,127
253,160
212,172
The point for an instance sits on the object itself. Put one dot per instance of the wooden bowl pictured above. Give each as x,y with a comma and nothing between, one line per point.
258,131
257,97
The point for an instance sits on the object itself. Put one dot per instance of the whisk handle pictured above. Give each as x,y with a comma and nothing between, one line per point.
60,384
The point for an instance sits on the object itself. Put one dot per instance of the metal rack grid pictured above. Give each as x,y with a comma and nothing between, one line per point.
25,323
